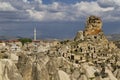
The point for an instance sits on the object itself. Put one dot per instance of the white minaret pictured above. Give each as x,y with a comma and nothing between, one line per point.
34,34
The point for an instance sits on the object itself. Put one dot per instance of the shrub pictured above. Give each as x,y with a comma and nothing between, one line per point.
25,40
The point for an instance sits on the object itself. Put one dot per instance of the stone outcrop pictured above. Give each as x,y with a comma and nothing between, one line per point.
8,70
93,29
47,68
79,36
92,39
91,45
93,25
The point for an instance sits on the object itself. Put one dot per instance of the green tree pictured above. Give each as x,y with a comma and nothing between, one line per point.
25,40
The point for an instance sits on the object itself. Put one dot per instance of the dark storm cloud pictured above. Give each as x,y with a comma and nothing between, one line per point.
13,16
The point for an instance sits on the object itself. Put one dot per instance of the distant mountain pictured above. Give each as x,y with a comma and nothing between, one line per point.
10,37
7,37
113,37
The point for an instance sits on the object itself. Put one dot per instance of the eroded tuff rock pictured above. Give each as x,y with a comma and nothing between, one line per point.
93,25
8,70
49,68
93,29
92,39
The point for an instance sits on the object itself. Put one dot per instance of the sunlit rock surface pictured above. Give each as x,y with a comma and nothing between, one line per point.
8,70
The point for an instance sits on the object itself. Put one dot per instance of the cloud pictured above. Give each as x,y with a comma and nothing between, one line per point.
72,12
35,15
113,15
63,12
106,3
35,10
90,8
5,6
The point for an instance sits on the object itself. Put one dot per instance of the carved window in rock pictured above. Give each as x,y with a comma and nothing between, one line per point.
89,38
67,51
20,57
77,46
94,50
81,58
76,50
63,54
5,57
89,48
72,57
92,21
68,57
92,55
81,50
15,49
76,61
99,51
95,37
71,51
87,54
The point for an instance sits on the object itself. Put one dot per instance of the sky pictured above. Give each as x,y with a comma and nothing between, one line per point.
56,18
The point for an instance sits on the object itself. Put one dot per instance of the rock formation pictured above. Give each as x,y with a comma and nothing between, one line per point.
92,39
93,25
8,70
90,56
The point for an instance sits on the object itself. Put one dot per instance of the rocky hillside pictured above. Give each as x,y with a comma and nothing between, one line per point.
90,56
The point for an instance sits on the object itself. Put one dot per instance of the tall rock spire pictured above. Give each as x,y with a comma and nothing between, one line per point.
93,25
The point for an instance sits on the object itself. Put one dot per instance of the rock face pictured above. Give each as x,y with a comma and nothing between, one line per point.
79,36
8,70
46,68
92,39
91,45
93,25
93,30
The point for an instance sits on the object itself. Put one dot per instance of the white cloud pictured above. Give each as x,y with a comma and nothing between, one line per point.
46,16
25,1
5,6
109,2
37,11
39,1
113,15
35,15
34,1
74,12
90,8
110,17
